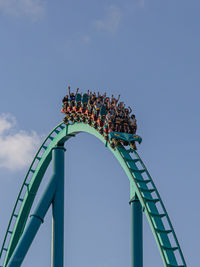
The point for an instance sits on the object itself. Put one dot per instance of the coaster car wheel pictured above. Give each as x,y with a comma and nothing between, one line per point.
125,143
133,145
66,121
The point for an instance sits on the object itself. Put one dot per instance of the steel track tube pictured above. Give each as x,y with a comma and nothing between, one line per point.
57,254
136,234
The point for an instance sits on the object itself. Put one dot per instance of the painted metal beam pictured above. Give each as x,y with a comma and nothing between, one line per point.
57,257
136,233
37,217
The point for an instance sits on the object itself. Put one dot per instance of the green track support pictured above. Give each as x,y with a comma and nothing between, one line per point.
37,218
57,259
136,233
144,188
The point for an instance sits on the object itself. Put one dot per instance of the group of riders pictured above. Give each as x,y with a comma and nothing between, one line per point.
100,111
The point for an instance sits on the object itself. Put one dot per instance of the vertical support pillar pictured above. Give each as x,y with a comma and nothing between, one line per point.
57,254
37,217
136,233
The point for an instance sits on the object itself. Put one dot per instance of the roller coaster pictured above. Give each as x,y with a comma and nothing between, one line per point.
144,198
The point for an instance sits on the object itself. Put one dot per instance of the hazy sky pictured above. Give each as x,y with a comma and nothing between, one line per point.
145,50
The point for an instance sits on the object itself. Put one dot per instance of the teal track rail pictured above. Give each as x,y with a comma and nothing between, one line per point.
141,185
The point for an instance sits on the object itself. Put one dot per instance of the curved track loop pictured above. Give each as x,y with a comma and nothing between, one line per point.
141,186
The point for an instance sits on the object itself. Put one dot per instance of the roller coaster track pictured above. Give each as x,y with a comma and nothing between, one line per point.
141,186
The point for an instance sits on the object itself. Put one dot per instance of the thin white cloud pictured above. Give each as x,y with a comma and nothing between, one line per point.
16,148
34,9
111,20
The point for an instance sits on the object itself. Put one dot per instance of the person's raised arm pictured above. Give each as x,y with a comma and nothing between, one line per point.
130,110
118,98
69,90
77,91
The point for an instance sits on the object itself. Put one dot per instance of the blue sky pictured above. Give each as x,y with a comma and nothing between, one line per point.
147,51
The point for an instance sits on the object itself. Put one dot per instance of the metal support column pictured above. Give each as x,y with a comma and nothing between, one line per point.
38,216
57,254
34,224
136,233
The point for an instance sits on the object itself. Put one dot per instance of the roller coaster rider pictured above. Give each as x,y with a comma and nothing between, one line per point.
132,124
84,106
108,125
91,102
65,102
125,123
102,118
97,106
118,121
114,100
72,97
77,106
